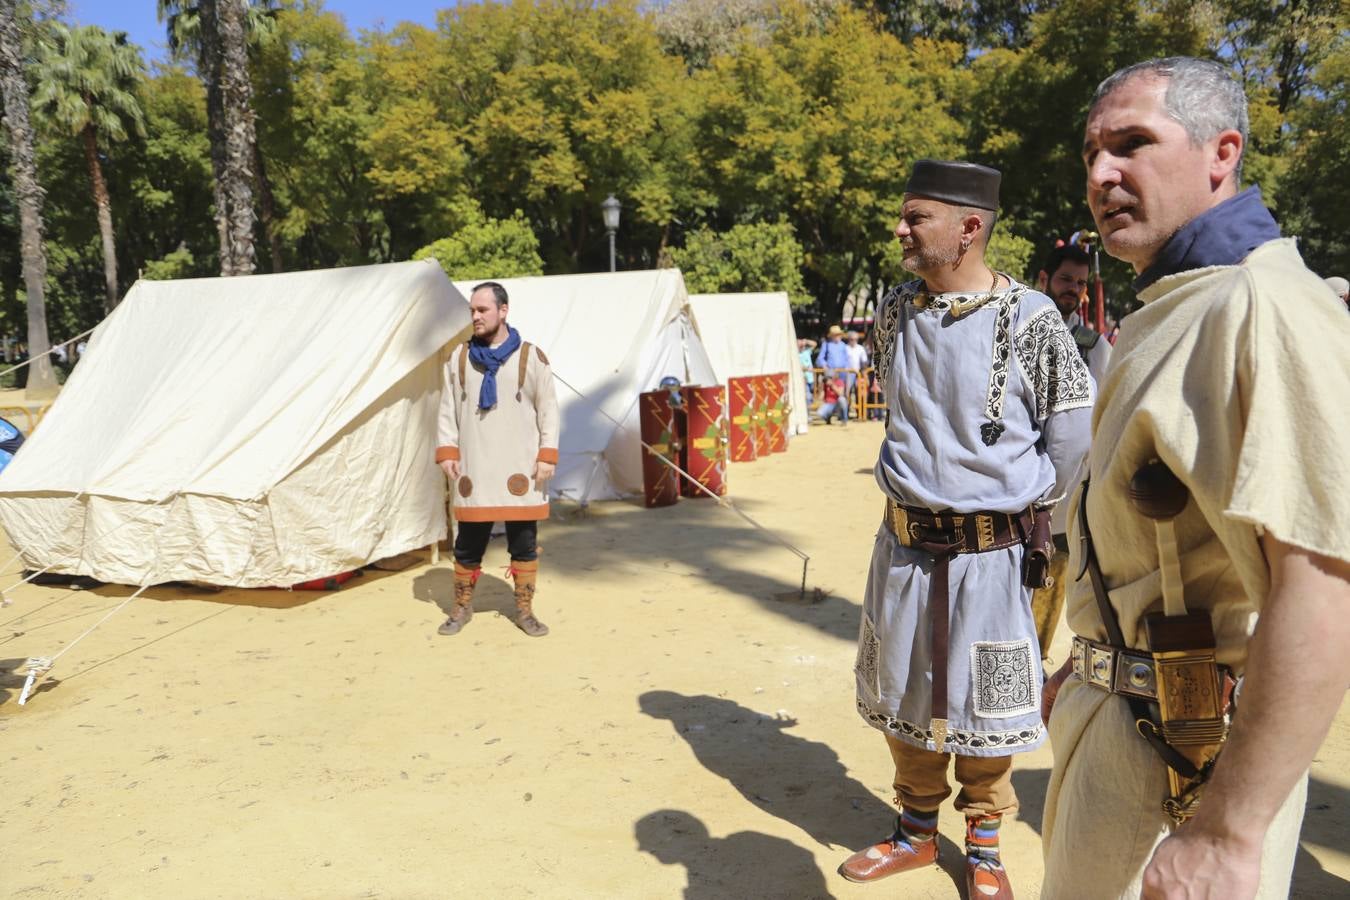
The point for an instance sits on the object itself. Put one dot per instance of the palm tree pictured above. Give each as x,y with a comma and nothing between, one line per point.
216,35
86,85
42,379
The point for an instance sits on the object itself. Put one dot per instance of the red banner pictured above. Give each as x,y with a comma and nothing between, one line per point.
741,407
659,429
706,440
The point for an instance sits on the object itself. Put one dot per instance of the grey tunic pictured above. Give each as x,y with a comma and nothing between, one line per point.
1011,367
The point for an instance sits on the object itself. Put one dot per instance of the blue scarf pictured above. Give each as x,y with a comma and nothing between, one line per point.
490,359
1221,236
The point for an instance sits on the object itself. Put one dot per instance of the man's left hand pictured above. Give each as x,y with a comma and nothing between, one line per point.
1194,865
543,472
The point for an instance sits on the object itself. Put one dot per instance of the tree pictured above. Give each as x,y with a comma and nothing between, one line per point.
86,86
236,97
756,257
42,378
183,23
487,248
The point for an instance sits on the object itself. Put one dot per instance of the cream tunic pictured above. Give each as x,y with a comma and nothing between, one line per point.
498,447
1236,378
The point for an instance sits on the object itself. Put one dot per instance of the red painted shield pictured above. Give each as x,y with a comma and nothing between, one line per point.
777,386
706,441
741,404
763,427
656,421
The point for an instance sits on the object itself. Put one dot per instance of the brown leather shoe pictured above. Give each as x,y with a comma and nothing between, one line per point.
987,880
890,857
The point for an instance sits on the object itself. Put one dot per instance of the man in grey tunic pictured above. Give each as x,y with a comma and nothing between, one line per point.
988,408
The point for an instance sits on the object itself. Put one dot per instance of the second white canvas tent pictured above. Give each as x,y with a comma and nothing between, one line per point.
753,334
253,431
608,336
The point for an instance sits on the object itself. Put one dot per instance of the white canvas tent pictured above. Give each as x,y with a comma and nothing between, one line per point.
753,334
611,336
252,431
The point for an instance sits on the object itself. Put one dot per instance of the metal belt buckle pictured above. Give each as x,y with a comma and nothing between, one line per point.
1134,676
1101,666
1079,655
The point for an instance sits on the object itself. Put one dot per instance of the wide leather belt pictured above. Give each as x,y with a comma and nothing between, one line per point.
1116,670
976,532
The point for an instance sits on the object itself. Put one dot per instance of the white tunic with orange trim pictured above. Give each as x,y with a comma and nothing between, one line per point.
498,447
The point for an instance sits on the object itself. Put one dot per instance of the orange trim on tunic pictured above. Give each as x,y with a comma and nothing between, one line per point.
548,455
444,453
501,513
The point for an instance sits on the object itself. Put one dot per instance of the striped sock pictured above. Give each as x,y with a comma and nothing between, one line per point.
914,826
982,837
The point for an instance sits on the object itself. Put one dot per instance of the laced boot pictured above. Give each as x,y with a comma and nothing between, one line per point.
525,574
465,579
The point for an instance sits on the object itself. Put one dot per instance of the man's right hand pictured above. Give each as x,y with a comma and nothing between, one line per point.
1050,690
451,469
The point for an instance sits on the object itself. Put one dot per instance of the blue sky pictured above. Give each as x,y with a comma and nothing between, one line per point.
137,17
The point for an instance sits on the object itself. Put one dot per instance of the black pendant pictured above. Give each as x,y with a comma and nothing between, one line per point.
990,432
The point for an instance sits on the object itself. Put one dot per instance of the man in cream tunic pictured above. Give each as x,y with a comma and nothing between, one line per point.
1233,375
988,407
498,444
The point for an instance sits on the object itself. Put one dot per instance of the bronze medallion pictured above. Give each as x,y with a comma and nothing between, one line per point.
465,486
518,484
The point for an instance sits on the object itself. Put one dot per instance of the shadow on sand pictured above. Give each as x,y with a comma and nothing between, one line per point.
744,864
798,780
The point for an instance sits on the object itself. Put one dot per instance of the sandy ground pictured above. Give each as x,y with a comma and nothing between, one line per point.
687,727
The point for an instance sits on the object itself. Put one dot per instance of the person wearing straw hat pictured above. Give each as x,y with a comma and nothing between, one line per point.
988,409
834,359
498,445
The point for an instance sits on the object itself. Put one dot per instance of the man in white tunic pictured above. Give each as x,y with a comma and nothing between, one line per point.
1229,383
497,436
988,406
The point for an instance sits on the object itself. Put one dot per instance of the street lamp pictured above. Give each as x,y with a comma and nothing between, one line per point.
610,208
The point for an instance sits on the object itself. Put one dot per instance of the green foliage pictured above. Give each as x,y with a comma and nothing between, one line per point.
764,144
176,264
746,258
1008,252
487,248
88,78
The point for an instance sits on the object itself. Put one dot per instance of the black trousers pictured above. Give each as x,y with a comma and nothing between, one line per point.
471,540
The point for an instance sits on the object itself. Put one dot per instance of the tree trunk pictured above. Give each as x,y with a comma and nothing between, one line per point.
209,70
29,193
103,204
237,101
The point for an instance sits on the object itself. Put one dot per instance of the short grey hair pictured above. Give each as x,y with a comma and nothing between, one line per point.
1202,96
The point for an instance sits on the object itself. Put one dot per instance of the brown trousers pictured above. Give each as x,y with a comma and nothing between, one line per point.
1047,604
921,780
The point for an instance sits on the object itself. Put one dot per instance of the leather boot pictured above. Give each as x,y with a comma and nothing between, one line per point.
525,574
462,612
891,857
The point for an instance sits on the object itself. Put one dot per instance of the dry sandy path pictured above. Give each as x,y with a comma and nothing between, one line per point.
687,729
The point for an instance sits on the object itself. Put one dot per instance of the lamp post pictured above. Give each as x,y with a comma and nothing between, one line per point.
610,208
